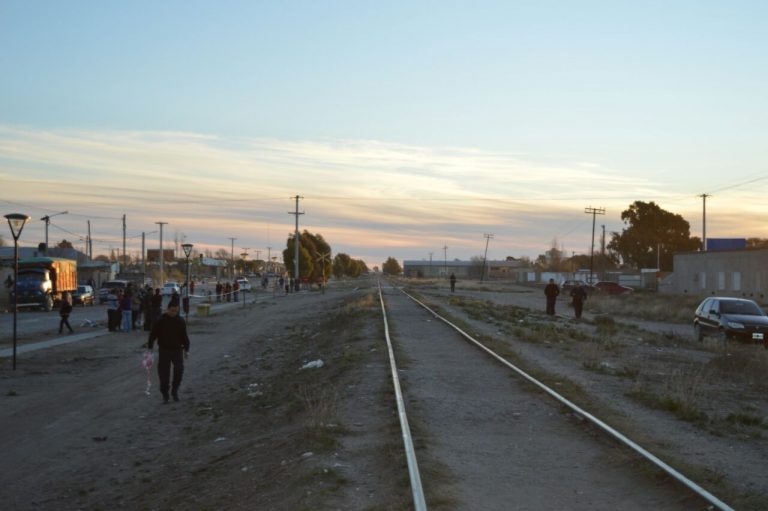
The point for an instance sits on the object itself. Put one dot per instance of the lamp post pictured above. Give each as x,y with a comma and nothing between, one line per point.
187,252
16,222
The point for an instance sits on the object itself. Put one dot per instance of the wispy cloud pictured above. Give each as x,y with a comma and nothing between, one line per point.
368,197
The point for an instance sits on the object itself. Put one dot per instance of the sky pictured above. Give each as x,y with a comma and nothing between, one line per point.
405,127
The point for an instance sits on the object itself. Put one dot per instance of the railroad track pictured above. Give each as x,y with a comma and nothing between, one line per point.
511,432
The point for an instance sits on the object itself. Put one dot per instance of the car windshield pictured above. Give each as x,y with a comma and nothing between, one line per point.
740,307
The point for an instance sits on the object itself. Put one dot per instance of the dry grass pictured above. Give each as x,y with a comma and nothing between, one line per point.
649,306
681,394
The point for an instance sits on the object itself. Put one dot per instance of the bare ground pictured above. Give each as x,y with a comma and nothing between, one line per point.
252,431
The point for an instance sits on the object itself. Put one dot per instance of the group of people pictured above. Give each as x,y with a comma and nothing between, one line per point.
578,297
126,307
227,292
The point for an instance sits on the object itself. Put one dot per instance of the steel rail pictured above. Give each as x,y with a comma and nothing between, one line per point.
588,416
410,453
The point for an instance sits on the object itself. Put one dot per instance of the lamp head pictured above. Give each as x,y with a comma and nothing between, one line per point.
187,248
16,221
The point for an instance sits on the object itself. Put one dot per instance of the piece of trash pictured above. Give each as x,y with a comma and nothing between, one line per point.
308,454
99,439
253,390
244,469
315,364
220,439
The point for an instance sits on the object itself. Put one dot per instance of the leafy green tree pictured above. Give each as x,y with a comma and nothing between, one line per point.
652,234
341,264
391,267
306,266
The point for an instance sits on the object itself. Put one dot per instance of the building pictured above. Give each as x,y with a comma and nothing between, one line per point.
515,271
738,273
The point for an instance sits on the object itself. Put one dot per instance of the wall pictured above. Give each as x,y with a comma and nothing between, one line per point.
739,273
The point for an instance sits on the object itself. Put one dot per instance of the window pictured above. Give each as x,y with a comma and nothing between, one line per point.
720,280
703,280
736,281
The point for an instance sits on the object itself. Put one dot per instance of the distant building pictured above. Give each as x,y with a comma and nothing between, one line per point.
515,271
739,273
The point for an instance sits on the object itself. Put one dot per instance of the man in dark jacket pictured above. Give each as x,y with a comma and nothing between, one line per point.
579,296
551,291
170,331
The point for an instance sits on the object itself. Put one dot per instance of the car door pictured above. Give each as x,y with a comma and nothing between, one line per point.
711,316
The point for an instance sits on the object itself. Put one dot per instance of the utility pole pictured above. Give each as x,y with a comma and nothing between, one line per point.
89,246
296,238
143,261
269,257
703,222
124,260
232,258
602,254
445,261
594,212
161,224
488,237
258,255
430,264
47,220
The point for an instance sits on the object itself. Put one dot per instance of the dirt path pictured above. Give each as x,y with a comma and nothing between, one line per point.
252,430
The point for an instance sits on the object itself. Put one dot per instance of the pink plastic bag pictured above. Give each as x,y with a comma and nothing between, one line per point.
147,361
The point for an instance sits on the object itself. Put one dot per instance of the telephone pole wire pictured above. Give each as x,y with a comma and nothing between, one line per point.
594,212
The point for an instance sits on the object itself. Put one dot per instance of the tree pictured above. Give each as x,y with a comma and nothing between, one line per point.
652,234
65,244
341,264
391,267
306,265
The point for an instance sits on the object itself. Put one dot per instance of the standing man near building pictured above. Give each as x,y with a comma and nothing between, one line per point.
453,282
579,296
551,291
170,331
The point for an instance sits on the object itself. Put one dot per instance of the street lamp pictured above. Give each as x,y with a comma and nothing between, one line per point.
16,222
187,252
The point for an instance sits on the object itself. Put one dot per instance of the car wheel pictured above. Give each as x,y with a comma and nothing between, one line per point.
697,333
723,336
48,306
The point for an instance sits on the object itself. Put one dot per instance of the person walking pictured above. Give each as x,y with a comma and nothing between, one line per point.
453,282
146,307
156,303
64,311
170,332
551,291
126,306
579,296
113,307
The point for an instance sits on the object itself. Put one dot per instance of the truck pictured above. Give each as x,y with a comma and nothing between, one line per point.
44,280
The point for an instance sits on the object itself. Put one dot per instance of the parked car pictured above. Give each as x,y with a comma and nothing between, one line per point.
169,288
731,318
611,288
244,284
83,296
108,286
567,286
